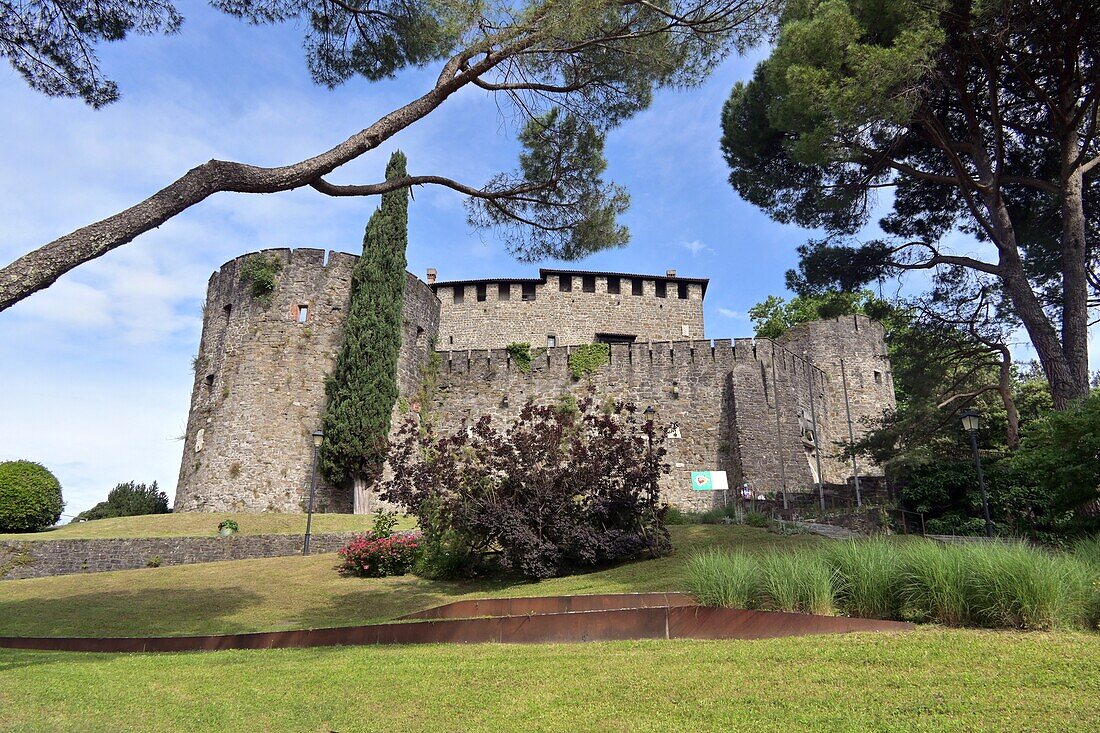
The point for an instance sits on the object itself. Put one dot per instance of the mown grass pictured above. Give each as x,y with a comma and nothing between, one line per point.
1001,585
933,679
296,592
197,524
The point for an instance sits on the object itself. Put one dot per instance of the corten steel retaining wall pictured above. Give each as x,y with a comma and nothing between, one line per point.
615,617
43,558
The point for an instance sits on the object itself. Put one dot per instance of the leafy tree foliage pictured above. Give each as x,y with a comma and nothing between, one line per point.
554,490
128,500
30,497
980,115
570,71
51,43
774,316
362,388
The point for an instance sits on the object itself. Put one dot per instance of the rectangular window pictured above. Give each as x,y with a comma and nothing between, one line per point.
551,341
682,291
528,291
636,286
878,377
662,289
460,294
481,292
504,291
565,283
303,313
613,285
588,283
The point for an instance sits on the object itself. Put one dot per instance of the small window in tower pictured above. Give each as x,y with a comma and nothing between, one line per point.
682,291
551,341
481,292
528,291
662,289
450,340
565,283
303,312
228,311
460,294
588,283
878,377
210,381
504,291
636,286
613,285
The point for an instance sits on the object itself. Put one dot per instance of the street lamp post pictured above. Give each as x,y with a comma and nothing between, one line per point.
970,421
318,438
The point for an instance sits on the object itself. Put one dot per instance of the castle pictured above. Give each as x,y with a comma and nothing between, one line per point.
769,413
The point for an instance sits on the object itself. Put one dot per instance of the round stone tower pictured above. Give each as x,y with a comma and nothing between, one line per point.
259,388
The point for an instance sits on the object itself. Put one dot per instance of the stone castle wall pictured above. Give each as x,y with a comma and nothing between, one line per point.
259,382
762,411
573,317
724,397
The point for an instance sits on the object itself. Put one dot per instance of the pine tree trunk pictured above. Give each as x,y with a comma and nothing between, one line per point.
1075,318
360,496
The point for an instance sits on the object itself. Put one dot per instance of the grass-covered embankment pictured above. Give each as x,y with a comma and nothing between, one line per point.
200,524
306,592
997,585
932,680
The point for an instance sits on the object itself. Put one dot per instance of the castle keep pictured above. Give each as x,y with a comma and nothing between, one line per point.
769,413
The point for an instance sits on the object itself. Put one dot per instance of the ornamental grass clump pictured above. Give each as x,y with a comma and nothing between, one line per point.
1019,586
800,582
937,583
725,579
868,581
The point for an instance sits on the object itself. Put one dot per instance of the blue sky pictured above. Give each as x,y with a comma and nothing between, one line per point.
96,370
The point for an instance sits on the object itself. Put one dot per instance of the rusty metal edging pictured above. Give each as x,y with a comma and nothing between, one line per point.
647,619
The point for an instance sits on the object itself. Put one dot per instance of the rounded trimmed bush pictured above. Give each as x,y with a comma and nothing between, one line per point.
30,497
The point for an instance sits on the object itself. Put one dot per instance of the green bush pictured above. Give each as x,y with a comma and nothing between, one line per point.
758,519
726,579
868,583
30,497
800,582
261,272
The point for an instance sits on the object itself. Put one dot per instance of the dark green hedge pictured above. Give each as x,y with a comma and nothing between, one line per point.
30,497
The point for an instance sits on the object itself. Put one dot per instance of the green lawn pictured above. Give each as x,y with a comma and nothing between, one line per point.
296,592
929,680
198,524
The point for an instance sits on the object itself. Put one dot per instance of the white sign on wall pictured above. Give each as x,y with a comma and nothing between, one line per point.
709,481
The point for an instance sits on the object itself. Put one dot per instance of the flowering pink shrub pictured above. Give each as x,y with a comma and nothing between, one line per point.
373,556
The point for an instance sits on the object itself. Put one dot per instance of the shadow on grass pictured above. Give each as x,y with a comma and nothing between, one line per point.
151,612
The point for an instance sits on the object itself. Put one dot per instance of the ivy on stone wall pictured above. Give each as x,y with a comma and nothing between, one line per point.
261,272
520,351
587,358
362,389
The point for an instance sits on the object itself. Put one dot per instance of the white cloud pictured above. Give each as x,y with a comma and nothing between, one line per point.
695,247
736,315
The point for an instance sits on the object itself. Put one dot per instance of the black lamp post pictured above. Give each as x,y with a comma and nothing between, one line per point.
970,420
318,438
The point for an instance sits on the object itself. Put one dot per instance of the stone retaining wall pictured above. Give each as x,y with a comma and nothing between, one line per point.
40,559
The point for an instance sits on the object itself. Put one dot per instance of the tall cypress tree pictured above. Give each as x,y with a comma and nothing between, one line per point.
363,386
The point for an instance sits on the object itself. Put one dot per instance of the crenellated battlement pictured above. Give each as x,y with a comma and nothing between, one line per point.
687,354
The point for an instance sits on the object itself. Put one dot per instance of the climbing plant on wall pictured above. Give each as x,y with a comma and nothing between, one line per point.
363,386
587,358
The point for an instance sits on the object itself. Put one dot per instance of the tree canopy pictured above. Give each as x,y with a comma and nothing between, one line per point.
571,70
978,115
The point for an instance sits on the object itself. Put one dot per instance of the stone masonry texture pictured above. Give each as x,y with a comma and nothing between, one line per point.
762,411
42,558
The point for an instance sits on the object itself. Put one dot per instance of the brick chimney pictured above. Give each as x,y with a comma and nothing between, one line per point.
670,273
431,275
